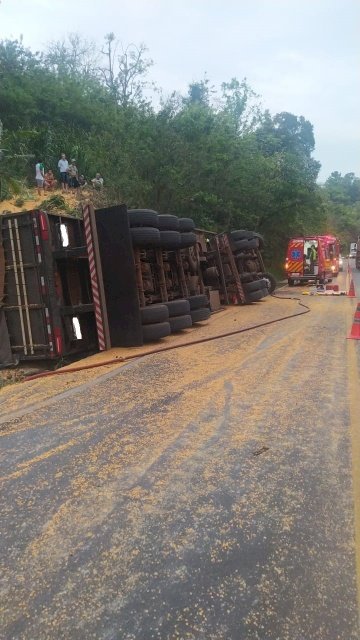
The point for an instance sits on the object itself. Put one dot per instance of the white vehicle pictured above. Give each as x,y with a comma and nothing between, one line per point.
353,249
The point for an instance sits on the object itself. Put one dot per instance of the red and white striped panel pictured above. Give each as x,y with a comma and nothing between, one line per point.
94,280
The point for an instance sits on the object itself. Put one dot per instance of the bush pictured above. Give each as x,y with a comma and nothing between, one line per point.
54,203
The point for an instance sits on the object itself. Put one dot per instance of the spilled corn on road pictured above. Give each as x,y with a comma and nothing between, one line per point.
205,493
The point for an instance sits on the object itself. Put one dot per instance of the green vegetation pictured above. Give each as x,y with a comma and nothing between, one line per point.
212,154
342,201
55,203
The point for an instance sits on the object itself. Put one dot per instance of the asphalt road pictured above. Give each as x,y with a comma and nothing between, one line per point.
208,493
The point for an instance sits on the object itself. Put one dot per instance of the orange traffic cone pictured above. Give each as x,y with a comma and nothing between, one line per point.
355,329
351,293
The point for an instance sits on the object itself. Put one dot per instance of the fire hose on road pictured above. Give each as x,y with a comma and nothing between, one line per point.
177,346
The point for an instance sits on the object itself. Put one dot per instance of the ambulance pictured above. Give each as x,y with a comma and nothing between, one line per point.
312,259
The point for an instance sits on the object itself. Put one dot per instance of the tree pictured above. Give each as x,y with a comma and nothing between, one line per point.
75,57
9,166
199,93
295,133
124,72
240,102
216,157
341,196
286,132
343,189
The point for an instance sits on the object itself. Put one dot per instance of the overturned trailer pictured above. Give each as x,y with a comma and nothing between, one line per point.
45,287
117,277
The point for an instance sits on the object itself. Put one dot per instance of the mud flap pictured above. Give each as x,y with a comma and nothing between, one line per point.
6,357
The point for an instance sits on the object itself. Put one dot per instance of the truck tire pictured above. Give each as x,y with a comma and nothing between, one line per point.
145,236
167,222
154,313
254,296
186,224
243,256
156,331
240,245
241,234
187,239
178,307
290,282
143,218
261,240
198,301
270,281
200,315
246,277
211,277
255,285
178,323
247,235
170,239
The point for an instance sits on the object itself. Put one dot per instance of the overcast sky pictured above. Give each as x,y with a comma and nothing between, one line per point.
299,55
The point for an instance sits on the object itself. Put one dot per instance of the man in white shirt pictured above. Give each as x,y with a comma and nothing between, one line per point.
63,166
98,181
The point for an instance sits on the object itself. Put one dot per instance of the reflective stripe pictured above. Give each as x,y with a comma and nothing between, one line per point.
94,281
17,285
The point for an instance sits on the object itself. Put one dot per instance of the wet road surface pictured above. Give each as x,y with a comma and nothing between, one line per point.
205,493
